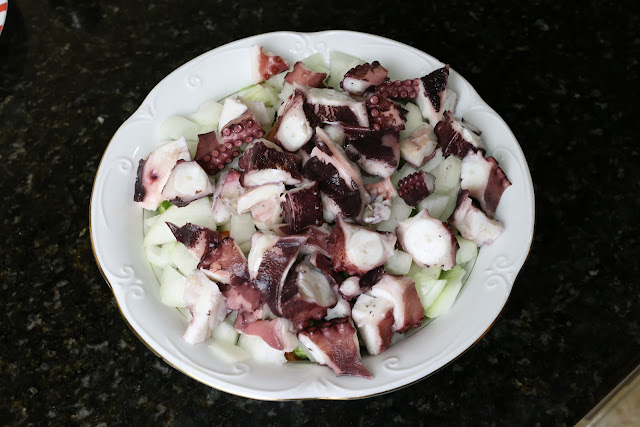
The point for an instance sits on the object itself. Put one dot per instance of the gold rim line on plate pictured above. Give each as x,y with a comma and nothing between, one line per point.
221,388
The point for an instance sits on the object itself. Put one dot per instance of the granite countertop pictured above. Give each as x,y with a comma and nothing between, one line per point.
563,78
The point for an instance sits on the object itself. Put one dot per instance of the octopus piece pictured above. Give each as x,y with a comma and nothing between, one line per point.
260,112
381,195
276,332
247,300
243,129
267,213
408,311
333,106
335,343
377,153
225,198
316,238
269,261
198,240
341,309
357,249
232,108
485,181
363,77
358,285
302,206
213,154
384,114
306,295
187,182
323,264
258,194
304,76
428,240
226,263
416,187
295,128
206,305
420,146
454,137
430,93
472,223
265,163
265,64
339,180
374,319
154,172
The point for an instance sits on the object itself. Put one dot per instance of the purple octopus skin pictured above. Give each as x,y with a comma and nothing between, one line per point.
472,223
377,153
270,259
275,332
266,65
428,91
302,206
243,129
337,177
408,311
225,264
415,231
455,138
485,181
363,77
198,240
295,128
246,299
332,106
385,114
265,163
316,238
335,343
154,172
212,154
416,187
306,295
304,76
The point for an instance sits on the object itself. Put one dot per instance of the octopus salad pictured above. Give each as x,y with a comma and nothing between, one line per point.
321,213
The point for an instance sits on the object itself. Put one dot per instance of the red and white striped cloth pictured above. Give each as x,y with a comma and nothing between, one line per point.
3,13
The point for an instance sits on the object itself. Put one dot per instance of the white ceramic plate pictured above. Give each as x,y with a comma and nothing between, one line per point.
116,228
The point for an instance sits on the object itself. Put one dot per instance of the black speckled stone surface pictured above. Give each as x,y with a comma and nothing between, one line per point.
564,77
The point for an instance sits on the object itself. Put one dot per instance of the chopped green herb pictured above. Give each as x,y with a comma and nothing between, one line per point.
300,353
164,206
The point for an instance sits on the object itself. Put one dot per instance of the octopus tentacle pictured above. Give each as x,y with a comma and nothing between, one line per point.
385,114
362,77
415,187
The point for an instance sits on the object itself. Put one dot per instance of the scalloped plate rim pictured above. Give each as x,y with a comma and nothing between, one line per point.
198,372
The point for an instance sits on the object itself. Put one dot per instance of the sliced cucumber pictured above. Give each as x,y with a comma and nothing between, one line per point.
447,297
182,258
260,350
176,127
260,92
399,212
172,285
414,119
340,64
468,250
317,63
435,203
207,116
448,174
225,332
241,228
197,212
418,273
399,263
429,290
